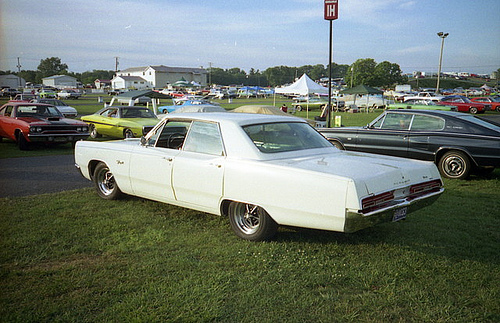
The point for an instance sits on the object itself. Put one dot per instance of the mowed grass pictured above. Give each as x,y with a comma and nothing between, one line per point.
74,257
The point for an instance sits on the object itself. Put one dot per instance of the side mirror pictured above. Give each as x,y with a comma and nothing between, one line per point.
144,141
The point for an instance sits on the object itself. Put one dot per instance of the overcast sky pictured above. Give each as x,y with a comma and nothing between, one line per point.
89,34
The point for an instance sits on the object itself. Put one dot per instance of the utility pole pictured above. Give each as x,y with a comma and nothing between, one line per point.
442,36
209,73
19,71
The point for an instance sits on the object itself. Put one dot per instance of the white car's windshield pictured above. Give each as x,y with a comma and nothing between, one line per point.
285,136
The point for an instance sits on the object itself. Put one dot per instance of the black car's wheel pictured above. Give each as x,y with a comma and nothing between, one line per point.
22,143
105,184
128,133
251,222
473,110
455,164
93,132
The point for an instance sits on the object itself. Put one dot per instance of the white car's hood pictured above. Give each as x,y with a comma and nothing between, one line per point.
379,173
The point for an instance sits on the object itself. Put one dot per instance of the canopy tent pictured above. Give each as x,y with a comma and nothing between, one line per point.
182,83
132,95
362,90
303,86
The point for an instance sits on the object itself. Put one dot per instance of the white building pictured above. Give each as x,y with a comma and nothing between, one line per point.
60,81
12,81
157,76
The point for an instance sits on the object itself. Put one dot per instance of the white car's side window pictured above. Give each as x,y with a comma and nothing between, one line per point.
204,137
172,135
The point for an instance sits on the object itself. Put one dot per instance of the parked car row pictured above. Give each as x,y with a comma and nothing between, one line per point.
45,93
455,102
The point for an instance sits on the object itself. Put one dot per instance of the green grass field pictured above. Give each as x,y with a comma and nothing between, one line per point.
73,257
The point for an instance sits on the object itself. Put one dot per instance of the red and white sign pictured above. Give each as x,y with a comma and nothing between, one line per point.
331,9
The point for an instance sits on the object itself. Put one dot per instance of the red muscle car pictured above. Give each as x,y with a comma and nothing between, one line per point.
464,104
26,122
494,101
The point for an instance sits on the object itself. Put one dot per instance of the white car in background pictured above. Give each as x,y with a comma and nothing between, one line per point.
424,96
68,94
261,171
66,110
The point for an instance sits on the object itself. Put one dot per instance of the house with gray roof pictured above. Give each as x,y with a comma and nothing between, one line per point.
157,76
60,81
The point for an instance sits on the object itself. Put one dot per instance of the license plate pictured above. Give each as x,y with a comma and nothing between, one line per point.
399,214
60,139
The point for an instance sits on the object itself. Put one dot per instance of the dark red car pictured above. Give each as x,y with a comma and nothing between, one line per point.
464,104
26,122
493,101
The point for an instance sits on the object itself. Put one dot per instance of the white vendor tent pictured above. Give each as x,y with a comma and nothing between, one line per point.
303,86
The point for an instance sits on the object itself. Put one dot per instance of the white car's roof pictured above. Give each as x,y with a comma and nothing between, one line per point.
238,118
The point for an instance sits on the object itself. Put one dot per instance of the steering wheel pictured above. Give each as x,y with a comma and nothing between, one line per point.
175,140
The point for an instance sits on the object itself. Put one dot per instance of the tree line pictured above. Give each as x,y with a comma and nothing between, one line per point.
363,71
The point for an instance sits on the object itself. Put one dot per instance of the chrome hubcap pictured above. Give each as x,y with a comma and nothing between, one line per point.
106,182
248,218
454,166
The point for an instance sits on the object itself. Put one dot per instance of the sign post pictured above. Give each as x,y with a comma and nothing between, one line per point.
331,13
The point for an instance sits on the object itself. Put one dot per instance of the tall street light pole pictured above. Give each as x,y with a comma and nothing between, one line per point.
442,36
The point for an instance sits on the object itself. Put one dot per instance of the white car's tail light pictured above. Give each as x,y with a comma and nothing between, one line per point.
374,202
424,188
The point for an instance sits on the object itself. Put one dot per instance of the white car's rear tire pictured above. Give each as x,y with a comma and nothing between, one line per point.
251,222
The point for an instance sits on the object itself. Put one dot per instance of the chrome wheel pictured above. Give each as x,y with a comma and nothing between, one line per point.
128,133
455,164
105,183
93,132
251,222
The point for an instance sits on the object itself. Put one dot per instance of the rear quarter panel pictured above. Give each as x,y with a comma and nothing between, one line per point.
115,156
291,196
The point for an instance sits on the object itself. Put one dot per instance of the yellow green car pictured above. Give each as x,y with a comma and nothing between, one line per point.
121,122
421,104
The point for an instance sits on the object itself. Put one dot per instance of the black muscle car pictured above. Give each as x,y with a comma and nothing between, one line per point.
458,143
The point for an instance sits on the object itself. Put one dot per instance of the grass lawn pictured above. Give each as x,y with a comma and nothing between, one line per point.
74,257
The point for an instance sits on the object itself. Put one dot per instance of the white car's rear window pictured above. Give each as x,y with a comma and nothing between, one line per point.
285,136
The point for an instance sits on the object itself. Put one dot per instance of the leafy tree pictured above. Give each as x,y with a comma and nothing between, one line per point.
361,71
387,74
338,71
51,66
279,75
367,72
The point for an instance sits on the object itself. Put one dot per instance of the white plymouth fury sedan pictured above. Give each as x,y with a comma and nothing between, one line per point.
261,171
